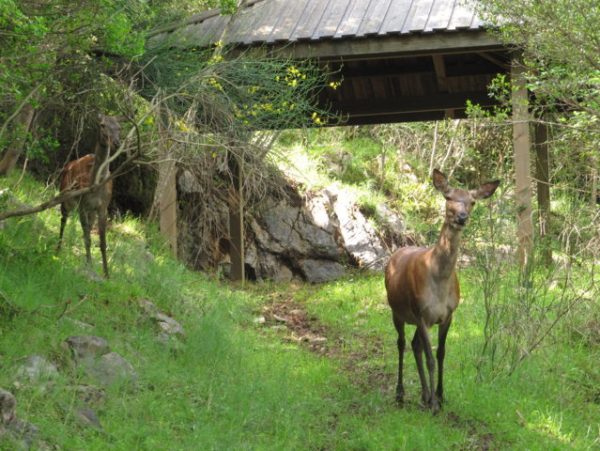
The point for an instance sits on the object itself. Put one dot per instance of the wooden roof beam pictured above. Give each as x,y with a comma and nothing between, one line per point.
413,104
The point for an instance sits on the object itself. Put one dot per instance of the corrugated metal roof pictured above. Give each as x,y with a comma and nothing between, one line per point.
269,21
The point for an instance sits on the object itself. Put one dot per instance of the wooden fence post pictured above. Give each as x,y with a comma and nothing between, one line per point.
522,148
166,189
542,174
236,220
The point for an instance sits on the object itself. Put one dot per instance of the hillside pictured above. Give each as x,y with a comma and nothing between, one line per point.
287,366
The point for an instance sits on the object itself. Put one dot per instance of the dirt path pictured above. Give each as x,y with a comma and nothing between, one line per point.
294,324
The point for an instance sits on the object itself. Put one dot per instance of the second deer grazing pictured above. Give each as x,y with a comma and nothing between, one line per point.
85,172
422,288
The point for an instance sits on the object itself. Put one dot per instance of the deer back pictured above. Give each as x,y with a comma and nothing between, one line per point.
77,174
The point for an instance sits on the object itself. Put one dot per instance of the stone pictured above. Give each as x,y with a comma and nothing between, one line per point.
188,183
25,434
35,369
8,405
87,346
90,394
359,237
391,221
111,368
318,271
148,307
79,324
290,232
87,417
168,325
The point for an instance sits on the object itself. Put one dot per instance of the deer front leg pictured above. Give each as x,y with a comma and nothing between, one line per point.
102,233
63,222
86,225
441,352
401,347
417,348
426,344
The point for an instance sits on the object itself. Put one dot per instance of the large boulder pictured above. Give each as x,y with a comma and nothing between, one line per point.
360,239
36,368
315,236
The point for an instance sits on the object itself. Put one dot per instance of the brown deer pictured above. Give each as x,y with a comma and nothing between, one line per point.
85,172
422,288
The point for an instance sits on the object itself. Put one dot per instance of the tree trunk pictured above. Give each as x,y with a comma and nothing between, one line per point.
18,137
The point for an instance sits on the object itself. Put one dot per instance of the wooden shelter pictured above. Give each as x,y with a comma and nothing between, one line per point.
400,60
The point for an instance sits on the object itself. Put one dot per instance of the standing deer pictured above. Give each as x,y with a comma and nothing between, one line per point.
422,288
85,172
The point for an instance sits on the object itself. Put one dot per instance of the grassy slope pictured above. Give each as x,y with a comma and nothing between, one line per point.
230,385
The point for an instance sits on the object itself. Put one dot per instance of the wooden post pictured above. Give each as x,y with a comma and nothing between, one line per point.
522,147
542,171
236,221
166,189
593,182
167,201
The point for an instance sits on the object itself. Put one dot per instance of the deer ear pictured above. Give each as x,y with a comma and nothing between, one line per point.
440,182
486,190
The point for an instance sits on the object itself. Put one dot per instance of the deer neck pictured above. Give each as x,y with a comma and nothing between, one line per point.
101,153
445,252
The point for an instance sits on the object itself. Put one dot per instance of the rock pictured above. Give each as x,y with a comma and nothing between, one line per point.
8,405
80,324
148,307
23,433
111,368
168,325
26,433
87,417
188,183
290,232
270,267
35,369
90,394
359,237
85,347
317,271
260,320
391,220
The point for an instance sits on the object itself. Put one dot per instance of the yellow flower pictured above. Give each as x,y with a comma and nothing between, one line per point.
182,126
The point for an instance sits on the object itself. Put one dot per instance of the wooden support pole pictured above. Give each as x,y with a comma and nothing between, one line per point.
593,182
236,221
167,202
522,148
166,189
542,174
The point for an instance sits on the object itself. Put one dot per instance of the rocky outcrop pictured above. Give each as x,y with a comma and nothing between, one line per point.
316,239
313,236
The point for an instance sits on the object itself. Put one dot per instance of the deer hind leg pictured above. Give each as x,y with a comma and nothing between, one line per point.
441,352
102,233
86,218
426,344
401,347
63,223
417,348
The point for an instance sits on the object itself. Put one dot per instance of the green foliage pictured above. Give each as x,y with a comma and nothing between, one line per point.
235,384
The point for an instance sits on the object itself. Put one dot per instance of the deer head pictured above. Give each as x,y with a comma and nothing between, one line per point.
459,202
109,131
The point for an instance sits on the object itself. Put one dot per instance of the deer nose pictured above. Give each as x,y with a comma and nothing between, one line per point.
462,217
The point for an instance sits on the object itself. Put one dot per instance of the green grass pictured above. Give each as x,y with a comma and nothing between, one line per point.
233,384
